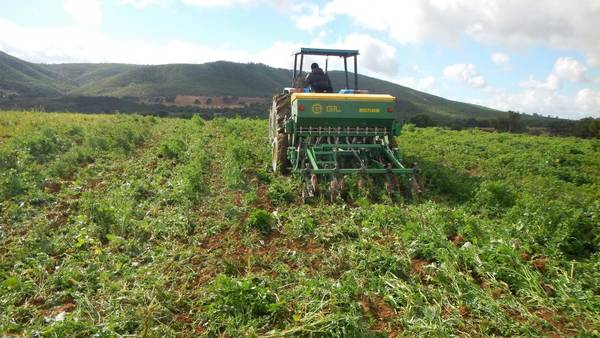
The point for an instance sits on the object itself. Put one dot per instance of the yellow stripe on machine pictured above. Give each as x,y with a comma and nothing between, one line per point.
343,97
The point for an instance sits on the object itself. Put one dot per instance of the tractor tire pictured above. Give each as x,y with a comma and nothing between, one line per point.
280,160
280,112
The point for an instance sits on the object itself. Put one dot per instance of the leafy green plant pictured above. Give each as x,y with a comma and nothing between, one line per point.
44,145
282,192
238,302
198,121
172,148
495,196
11,184
103,238
8,159
260,220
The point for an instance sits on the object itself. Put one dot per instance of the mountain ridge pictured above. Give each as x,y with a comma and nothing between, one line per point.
219,78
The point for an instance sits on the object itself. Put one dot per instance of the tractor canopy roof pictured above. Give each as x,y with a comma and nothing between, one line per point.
327,52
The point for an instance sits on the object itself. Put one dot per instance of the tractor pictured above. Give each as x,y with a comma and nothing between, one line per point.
328,136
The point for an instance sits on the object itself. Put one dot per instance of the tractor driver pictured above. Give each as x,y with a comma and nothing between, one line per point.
318,81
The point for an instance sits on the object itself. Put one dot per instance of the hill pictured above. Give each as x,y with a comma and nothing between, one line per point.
124,225
216,78
29,79
19,78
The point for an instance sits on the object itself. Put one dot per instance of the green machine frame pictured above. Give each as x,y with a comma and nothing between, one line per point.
330,135
340,134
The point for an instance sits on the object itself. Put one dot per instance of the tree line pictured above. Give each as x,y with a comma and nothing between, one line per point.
515,122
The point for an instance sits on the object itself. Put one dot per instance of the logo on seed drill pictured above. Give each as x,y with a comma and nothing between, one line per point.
317,108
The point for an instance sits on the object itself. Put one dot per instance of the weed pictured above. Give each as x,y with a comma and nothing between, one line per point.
198,121
260,220
11,184
99,236
8,159
234,303
495,196
172,149
282,192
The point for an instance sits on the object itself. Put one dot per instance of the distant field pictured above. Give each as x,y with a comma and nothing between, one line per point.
210,102
130,225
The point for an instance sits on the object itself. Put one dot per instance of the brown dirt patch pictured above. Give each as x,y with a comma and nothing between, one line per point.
214,242
95,183
68,307
57,219
380,311
204,275
59,216
263,196
497,293
525,256
473,172
309,246
540,263
52,186
237,198
457,240
554,319
37,301
417,266
549,289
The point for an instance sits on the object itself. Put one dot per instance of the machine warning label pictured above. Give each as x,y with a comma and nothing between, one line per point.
369,110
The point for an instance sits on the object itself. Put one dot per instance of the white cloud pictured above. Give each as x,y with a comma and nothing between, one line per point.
376,56
216,3
322,34
513,23
570,69
315,19
466,73
552,82
425,84
546,102
143,3
77,44
81,44
532,100
501,59
565,68
588,101
543,96
86,12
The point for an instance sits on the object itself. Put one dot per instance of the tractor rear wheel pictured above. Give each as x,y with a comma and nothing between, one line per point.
280,111
280,161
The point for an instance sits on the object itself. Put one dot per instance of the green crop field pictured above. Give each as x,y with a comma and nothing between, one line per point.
116,225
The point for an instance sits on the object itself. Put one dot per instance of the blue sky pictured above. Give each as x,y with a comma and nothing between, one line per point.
532,56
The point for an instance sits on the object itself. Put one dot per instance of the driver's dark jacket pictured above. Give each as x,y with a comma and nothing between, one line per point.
318,81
